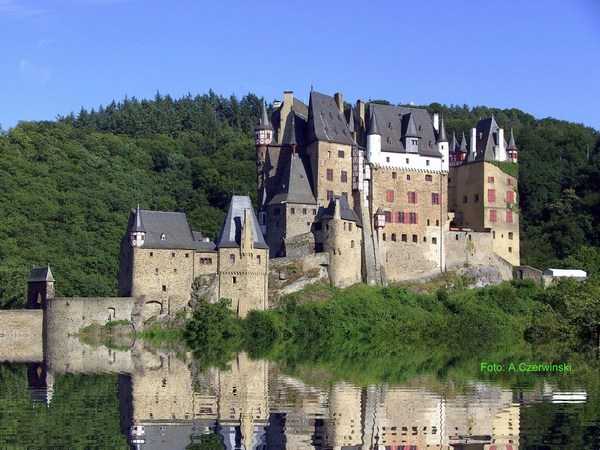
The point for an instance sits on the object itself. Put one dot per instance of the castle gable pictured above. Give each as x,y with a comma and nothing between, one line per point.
326,122
487,139
295,187
231,231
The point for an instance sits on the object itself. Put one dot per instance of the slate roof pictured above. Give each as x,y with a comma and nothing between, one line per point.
346,212
442,134
325,121
201,244
511,144
231,231
172,225
138,225
488,129
397,122
264,123
40,274
300,114
463,144
295,187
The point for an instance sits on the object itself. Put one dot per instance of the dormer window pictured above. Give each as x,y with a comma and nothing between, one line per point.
163,237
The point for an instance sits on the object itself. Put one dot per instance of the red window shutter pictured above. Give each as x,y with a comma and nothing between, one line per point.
510,197
509,216
491,195
416,218
406,218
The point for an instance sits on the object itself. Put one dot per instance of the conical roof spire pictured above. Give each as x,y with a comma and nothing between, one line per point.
463,143
511,144
442,136
454,145
350,120
373,128
264,123
411,128
138,224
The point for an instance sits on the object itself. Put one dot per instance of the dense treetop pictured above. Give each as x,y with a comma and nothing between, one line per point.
67,186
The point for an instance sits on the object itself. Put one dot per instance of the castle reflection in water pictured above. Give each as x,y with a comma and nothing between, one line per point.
168,404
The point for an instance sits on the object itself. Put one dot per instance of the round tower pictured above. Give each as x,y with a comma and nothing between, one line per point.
442,146
263,136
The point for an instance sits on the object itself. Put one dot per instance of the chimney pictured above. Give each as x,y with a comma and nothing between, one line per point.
473,149
436,121
339,99
288,98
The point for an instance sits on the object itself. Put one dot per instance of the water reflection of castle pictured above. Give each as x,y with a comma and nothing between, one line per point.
253,406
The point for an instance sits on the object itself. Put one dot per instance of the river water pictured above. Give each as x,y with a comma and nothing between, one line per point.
84,397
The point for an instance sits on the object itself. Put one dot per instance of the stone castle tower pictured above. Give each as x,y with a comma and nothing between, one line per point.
161,257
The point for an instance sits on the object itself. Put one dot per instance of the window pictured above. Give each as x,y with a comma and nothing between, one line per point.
428,178
232,258
476,198
164,288
493,235
412,197
400,217
234,279
510,181
329,195
258,259
428,222
426,162
340,153
437,223
434,240
389,195
172,254
351,244
388,216
174,270
492,215
509,216
156,270
329,174
344,177
206,261
424,238
491,195
187,255
509,249
329,154
387,159
292,211
510,235
314,211
510,197
383,236
435,198
151,253
304,211
350,226
394,175
413,218
404,238
415,238
163,237
490,179
407,176
465,199
345,194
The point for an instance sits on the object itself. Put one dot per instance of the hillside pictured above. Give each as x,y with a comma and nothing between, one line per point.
67,186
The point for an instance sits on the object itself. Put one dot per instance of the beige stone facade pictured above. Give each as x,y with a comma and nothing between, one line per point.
331,166
485,197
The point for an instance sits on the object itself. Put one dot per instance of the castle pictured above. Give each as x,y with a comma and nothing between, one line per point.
378,190
382,190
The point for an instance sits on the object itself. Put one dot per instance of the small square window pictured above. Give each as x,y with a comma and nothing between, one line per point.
387,159
341,153
415,238
164,288
394,175
434,240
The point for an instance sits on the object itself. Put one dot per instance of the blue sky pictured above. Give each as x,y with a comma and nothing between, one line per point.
542,57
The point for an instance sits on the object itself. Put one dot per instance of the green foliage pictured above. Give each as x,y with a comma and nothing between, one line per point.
84,412
508,168
67,187
214,332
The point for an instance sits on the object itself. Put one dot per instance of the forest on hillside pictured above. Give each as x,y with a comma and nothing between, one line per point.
68,186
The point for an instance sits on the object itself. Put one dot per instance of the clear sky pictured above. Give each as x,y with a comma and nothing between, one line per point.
542,57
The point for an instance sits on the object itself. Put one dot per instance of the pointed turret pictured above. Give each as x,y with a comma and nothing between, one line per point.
373,127
373,137
512,150
263,133
454,145
442,134
138,231
463,144
293,142
411,128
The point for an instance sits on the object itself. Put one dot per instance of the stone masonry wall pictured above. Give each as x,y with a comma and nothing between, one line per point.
163,276
328,155
243,278
343,243
410,249
21,335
